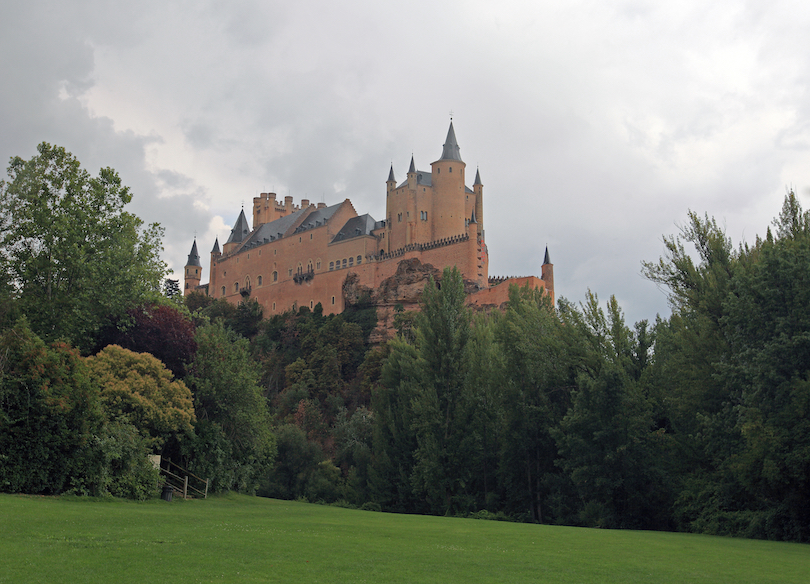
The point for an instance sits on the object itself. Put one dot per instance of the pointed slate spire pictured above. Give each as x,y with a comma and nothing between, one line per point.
546,259
477,178
413,166
451,151
240,230
216,246
391,175
193,256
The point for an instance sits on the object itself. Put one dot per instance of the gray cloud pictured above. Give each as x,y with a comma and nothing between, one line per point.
595,126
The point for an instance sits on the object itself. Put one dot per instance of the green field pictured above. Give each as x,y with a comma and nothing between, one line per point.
246,539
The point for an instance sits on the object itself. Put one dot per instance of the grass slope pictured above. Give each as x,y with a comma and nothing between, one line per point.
246,539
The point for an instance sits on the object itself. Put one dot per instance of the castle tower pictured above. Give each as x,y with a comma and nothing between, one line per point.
547,275
478,189
213,280
193,270
448,205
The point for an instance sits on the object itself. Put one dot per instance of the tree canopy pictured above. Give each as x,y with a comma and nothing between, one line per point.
72,255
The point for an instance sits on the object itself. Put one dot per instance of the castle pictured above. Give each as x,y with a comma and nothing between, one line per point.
303,255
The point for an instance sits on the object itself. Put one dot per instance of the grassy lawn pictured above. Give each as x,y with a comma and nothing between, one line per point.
246,539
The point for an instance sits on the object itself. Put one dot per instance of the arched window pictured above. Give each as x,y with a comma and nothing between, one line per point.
359,260
236,286
351,261
309,265
223,290
344,262
318,265
260,281
247,282
186,285
331,266
275,276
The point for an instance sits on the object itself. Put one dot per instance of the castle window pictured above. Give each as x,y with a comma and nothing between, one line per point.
359,260
438,171
344,262
223,290
333,300
247,282
187,272
310,236
274,305
289,272
318,265
451,169
275,276
331,266
310,304
351,262
236,286
186,285
309,266
248,256
399,217
260,280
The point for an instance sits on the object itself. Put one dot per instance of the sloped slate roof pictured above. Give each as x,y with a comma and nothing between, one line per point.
193,256
355,227
276,229
318,217
423,177
450,150
240,230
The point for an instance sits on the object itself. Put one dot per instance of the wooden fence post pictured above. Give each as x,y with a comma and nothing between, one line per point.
185,487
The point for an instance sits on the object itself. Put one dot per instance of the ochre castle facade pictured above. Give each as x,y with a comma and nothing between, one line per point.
302,255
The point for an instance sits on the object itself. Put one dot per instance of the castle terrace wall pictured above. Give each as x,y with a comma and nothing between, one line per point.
498,295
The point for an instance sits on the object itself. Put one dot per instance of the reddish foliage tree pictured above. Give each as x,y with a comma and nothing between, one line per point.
160,330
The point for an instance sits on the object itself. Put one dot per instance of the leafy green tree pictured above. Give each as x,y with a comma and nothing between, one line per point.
138,389
235,445
394,439
72,254
767,325
442,405
535,393
49,417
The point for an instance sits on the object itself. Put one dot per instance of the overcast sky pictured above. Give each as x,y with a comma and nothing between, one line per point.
595,125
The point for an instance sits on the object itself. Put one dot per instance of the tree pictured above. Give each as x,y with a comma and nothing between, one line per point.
158,329
138,389
72,254
49,416
535,392
235,445
442,405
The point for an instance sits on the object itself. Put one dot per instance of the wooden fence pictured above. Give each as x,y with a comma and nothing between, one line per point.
178,478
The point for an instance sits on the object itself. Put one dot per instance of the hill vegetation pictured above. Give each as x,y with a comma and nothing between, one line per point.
563,415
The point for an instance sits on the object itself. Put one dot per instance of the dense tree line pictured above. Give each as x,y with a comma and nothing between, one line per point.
98,369
567,414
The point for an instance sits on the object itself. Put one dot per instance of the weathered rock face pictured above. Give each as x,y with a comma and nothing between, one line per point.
404,288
